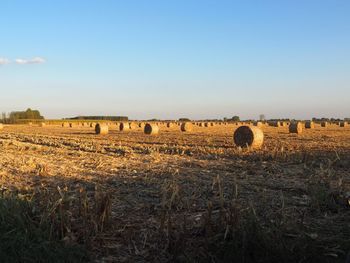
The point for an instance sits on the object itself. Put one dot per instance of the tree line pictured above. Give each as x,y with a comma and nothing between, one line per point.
107,118
15,116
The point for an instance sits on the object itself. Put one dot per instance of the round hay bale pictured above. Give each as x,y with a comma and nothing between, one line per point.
65,124
206,124
186,127
71,125
309,125
249,136
277,124
132,126
258,124
42,124
324,124
101,129
169,125
124,126
296,127
151,129
1,126
344,124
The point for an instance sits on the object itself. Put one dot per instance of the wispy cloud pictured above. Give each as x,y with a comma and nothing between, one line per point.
36,60
4,61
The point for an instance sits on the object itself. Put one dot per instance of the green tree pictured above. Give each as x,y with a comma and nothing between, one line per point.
24,115
235,118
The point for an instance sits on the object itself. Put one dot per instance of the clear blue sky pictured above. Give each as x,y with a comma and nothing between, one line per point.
171,59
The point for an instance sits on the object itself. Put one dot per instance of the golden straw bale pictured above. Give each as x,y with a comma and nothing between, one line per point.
249,136
132,125
101,128
284,124
296,127
124,126
324,124
258,124
186,127
277,124
309,125
151,129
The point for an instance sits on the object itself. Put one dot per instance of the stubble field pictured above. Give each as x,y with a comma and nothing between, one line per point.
184,197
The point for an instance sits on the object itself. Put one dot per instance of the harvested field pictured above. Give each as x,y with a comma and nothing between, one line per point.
186,197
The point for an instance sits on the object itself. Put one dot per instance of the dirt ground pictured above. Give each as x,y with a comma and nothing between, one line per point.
185,196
